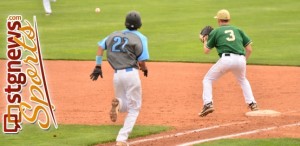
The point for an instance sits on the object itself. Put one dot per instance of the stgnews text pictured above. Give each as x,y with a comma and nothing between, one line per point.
25,71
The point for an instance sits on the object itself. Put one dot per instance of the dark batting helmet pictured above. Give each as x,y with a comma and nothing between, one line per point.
133,20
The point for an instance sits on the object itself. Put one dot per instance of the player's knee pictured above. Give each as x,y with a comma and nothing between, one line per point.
206,81
242,80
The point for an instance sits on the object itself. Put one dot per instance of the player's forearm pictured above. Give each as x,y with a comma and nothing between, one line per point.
142,65
99,56
100,51
248,53
205,49
248,49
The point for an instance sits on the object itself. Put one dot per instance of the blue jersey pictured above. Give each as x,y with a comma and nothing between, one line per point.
125,48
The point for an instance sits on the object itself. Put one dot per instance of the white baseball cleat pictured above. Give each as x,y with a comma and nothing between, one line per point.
114,110
119,143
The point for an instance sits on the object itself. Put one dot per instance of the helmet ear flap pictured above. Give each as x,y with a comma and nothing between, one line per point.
133,20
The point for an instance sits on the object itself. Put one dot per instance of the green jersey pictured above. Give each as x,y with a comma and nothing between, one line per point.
228,39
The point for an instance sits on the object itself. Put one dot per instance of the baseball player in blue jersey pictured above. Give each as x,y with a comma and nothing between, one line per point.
127,51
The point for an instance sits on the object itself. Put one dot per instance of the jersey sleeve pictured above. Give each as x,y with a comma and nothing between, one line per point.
142,53
211,41
246,39
102,43
145,54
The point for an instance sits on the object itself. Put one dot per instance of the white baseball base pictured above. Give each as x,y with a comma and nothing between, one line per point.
263,113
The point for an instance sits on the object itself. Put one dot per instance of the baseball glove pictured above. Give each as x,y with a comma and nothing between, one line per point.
204,32
96,73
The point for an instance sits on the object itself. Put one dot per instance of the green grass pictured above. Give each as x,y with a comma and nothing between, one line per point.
72,135
252,142
172,27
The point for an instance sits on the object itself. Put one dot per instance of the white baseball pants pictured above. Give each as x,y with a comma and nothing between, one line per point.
127,86
237,65
47,6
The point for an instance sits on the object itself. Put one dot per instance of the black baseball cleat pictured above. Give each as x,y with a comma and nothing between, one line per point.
253,106
207,109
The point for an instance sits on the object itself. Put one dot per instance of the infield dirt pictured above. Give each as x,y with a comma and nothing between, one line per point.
172,96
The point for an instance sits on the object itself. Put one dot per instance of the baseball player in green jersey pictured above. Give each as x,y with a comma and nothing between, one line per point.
234,48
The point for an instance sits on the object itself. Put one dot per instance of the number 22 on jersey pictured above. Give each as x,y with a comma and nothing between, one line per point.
231,35
119,44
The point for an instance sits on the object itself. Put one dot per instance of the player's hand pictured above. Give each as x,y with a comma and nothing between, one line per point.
204,33
143,67
145,72
201,38
96,73
205,38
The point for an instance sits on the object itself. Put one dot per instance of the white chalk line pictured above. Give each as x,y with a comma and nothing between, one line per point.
186,132
239,134
193,131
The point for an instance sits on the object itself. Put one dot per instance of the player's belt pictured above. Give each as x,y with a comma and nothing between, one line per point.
126,69
228,54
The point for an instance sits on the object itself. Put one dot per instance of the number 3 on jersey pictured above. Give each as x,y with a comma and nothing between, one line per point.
119,44
231,35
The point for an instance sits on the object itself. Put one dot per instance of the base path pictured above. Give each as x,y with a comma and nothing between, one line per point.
172,96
